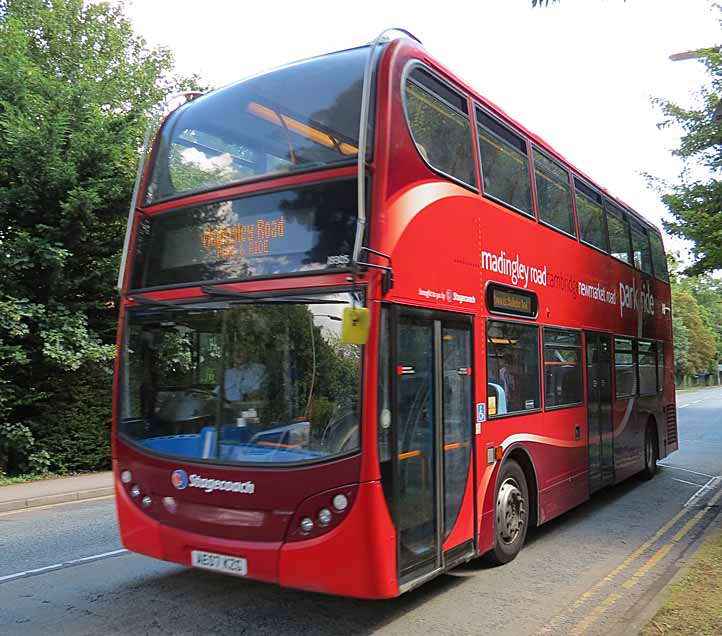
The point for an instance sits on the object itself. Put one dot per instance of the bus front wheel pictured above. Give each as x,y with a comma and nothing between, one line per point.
511,513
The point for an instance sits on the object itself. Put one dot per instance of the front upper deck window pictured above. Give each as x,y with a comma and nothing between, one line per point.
299,117
438,117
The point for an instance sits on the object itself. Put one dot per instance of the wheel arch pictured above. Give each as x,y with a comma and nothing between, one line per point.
520,454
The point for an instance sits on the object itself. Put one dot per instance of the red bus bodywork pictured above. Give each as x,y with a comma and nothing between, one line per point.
435,231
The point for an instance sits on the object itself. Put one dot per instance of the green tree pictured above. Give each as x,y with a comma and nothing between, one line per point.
76,90
695,199
702,347
681,345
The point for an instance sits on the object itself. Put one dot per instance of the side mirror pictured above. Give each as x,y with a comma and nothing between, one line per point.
355,325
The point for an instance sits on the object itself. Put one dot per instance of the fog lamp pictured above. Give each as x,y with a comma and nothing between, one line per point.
307,524
324,516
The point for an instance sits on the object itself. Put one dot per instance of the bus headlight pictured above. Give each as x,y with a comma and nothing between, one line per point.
146,501
126,476
135,491
307,524
340,502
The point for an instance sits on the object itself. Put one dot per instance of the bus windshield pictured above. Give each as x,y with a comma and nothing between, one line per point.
299,117
243,383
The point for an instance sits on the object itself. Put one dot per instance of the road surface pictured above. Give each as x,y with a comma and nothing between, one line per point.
591,572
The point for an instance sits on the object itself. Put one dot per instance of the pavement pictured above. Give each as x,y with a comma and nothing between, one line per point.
45,492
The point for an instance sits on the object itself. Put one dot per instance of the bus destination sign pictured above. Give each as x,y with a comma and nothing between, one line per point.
501,299
252,238
298,230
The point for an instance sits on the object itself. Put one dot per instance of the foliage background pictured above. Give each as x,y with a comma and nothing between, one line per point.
76,90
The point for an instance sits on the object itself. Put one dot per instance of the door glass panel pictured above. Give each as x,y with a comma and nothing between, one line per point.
416,507
456,401
593,393
606,423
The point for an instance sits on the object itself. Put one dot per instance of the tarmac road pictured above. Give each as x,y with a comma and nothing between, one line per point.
593,571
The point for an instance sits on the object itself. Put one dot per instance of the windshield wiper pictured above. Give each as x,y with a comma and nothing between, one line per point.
142,300
270,300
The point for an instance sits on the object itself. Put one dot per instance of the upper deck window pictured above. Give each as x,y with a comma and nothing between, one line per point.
590,215
438,118
504,164
658,257
641,247
553,194
303,116
619,239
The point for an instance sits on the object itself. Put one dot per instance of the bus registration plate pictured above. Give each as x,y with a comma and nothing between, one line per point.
219,563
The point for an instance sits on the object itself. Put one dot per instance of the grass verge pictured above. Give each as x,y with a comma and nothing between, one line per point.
6,480
693,606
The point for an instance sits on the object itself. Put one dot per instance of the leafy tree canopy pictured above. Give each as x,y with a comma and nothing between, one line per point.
696,323
695,200
76,89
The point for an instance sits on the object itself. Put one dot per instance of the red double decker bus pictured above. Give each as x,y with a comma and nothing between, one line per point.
372,328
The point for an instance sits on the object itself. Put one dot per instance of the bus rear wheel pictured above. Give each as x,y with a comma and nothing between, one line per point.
651,451
511,513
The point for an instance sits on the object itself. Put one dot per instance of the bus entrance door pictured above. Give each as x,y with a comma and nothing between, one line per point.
599,410
433,428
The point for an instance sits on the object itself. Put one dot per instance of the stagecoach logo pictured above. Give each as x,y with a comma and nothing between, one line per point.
179,478
456,297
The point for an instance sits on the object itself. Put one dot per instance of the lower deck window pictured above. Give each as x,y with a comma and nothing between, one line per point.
512,366
625,367
562,368
647,367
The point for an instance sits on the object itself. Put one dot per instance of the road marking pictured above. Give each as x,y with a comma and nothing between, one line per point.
549,628
65,564
582,626
691,483
55,505
687,470
711,483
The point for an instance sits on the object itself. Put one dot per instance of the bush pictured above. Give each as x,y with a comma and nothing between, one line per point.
73,427
16,441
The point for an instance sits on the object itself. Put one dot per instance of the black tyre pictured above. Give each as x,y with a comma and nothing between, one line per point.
651,451
511,513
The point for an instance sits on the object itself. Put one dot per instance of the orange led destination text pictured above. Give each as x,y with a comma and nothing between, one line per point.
244,240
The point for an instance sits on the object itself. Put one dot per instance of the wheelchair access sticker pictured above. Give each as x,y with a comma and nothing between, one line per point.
481,412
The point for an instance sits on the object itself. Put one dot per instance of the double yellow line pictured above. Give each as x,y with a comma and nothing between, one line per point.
581,627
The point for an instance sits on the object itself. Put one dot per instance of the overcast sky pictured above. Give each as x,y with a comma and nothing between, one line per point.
579,73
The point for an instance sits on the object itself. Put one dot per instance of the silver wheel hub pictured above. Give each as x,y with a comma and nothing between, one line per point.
510,511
